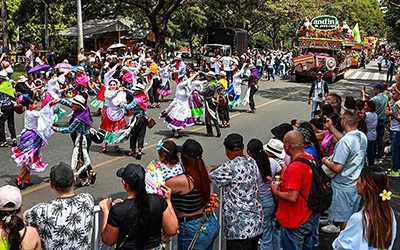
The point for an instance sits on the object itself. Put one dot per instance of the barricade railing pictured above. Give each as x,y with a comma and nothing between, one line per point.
97,243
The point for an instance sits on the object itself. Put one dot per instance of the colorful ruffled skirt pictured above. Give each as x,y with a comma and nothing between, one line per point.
112,129
165,90
27,152
196,105
178,115
98,101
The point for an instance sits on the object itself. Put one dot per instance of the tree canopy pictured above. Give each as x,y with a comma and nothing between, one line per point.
270,23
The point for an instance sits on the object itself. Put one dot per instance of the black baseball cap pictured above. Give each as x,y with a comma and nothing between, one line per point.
62,175
191,148
131,174
233,142
280,130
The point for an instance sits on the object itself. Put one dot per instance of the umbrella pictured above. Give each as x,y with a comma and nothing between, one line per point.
63,65
116,46
43,67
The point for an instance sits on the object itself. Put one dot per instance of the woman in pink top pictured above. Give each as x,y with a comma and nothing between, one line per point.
326,137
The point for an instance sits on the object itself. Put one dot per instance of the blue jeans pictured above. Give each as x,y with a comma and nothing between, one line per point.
271,235
380,131
371,152
395,150
206,238
314,106
270,71
300,238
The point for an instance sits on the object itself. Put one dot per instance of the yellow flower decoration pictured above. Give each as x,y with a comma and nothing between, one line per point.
386,195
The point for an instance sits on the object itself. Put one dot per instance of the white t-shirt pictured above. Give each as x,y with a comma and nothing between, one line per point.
226,63
379,59
29,56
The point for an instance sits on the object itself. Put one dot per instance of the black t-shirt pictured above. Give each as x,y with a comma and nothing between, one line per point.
121,217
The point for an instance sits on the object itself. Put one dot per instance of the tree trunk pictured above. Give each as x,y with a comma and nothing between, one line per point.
159,33
4,17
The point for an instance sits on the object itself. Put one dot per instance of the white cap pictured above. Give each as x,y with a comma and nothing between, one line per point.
10,196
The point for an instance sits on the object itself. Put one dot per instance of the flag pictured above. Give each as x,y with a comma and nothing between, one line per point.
7,88
356,34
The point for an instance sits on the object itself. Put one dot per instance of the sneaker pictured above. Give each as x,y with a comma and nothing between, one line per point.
379,162
392,173
330,229
324,222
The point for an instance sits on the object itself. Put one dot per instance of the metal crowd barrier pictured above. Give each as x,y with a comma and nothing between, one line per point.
97,243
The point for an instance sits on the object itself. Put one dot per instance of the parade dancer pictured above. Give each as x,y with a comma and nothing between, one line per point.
153,79
235,89
138,121
211,104
222,98
178,114
196,102
37,130
165,76
253,87
79,129
179,68
98,101
112,116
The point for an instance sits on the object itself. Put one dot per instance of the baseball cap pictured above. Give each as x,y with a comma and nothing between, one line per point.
62,175
380,87
191,148
132,174
10,198
233,142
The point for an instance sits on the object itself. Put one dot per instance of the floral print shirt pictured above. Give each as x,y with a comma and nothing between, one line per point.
64,223
242,208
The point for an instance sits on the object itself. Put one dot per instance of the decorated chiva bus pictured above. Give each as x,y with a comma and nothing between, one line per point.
324,45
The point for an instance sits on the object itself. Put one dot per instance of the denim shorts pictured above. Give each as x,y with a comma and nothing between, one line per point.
206,238
345,202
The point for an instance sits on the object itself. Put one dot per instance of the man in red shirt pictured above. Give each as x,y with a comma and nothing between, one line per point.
296,219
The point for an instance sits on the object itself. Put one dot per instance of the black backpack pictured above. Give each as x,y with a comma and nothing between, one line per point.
320,198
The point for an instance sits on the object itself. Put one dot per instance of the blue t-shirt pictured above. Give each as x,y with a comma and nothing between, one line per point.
312,150
350,152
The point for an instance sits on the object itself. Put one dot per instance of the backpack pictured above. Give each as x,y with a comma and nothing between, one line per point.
320,197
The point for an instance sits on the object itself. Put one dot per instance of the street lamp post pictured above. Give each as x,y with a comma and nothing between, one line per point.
80,25
46,29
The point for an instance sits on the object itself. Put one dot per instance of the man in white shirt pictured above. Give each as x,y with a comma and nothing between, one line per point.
227,63
29,58
379,60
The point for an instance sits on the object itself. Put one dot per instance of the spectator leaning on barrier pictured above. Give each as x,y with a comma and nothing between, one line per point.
136,222
297,220
347,162
243,217
14,235
66,222
191,195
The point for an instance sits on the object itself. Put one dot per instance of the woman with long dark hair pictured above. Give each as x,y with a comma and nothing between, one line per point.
374,227
268,168
190,196
14,235
136,222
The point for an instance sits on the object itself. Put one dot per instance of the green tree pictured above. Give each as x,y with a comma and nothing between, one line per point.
188,23
392,19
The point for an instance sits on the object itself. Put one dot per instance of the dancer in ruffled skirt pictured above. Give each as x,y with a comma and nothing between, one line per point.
37,129
178,114
112,116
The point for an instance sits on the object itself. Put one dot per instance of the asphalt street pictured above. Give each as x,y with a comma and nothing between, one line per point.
276,102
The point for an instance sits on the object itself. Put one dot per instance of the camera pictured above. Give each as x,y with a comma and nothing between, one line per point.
320,95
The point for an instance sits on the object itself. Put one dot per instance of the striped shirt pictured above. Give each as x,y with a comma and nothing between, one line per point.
187,203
